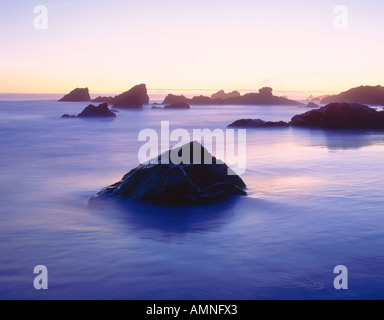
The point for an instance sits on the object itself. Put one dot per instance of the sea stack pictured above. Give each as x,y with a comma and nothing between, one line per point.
134,98
162,182
77,95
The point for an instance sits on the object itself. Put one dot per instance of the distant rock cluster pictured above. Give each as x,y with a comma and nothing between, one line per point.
135,98
264,97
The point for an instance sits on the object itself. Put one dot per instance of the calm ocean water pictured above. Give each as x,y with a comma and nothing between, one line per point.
315,201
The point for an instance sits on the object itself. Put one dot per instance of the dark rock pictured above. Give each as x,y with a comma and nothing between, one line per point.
67,116
201,100
176,184
371,95
222,95
341,116
109,100
101,111
171,98
77,95
134,98
264,98
312,105
178,105
266,90
257,123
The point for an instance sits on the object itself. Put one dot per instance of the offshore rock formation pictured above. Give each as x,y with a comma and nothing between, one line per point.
312,105
349,116
176,184
77,95
222,95
171,98
101,111
134,98
257,123
178,105
341,116
371,95
108,100
264,97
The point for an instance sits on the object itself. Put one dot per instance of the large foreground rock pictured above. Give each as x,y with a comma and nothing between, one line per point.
176,184
341,116
77,95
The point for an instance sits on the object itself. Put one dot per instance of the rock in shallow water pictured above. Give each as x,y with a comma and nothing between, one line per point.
257,123
341,116
187,183
101,111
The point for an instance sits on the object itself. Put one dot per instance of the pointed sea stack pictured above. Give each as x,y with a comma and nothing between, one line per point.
162,182
135,98
77,95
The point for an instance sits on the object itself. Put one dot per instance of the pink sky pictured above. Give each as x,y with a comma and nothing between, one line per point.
291,46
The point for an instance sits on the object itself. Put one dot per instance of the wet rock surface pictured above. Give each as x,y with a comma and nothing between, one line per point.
187,183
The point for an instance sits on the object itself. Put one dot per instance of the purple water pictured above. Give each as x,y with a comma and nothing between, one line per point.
315,201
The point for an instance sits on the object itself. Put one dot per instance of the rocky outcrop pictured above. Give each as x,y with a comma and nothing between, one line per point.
264,97
266,91
171,98
368,95
135,98
222,95
101,111
312,105
77,95
201,100
109,100
261,99
176,184
341,116
178,105
349,116
257,123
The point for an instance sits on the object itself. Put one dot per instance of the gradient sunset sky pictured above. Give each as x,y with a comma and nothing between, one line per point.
109,46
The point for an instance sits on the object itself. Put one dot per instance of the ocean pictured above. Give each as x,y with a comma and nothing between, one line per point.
315,201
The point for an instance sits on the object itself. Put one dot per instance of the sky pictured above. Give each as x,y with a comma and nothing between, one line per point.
293,46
